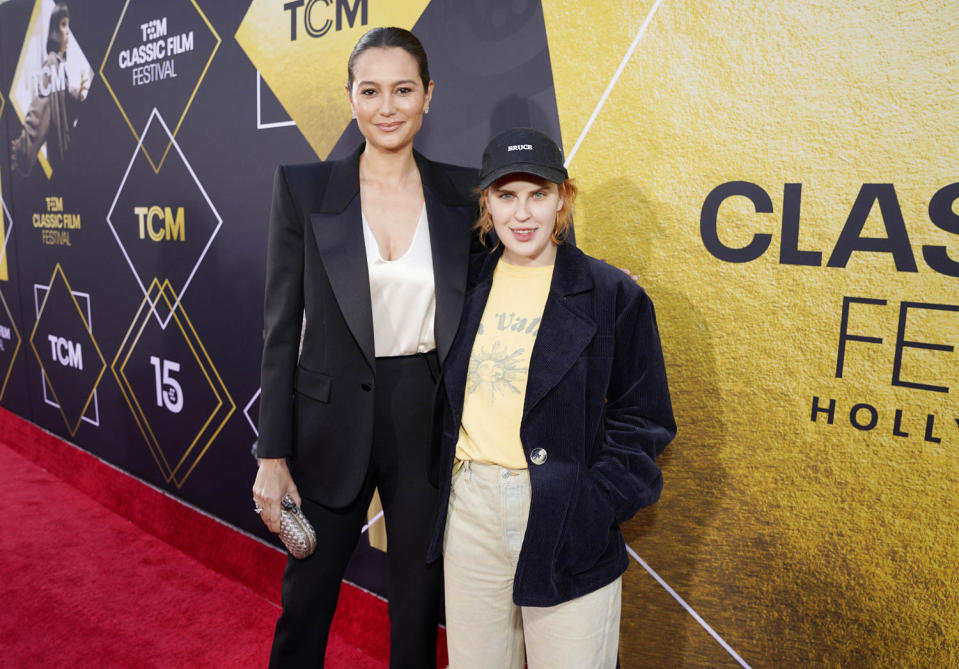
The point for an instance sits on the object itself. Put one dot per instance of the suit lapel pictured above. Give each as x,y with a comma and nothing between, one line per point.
564,333
338,229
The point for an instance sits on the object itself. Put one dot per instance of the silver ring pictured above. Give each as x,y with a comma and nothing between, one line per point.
256,507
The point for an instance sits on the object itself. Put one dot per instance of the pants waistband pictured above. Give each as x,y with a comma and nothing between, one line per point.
430,360
487,471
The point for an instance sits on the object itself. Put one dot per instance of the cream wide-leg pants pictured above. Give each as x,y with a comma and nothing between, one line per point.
488,511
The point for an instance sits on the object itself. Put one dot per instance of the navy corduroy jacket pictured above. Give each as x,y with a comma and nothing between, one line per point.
596,400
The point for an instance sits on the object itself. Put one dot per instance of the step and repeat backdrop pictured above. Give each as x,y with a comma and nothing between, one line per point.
782,176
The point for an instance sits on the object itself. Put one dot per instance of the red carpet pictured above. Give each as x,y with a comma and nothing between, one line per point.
82,585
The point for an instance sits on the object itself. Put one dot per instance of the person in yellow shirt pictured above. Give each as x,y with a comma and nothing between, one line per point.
555,408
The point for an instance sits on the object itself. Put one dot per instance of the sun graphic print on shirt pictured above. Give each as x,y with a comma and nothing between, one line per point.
499,365
496,370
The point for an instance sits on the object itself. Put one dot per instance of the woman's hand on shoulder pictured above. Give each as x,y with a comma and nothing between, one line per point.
273,483
625,270
629,273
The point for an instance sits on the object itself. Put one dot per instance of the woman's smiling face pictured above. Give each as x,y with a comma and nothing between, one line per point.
523,208
388,97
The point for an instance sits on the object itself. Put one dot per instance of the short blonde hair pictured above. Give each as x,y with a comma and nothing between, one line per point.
564,217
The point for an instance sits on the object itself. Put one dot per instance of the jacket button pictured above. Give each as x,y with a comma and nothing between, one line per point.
366,387
538,456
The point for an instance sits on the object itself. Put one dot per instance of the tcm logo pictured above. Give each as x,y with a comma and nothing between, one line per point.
66,352
153,29
50,79
319,21
5,335
171,227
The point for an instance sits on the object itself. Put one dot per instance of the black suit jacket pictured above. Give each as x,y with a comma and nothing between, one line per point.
319,368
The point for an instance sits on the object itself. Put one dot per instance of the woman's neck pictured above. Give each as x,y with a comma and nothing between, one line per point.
387,168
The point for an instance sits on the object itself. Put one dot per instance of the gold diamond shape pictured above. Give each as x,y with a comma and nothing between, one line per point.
307,74
16,349
156,166
179,471
103,363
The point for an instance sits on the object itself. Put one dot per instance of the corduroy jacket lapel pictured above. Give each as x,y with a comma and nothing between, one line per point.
564,332
457,363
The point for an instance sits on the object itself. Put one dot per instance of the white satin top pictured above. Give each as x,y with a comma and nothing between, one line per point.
403,292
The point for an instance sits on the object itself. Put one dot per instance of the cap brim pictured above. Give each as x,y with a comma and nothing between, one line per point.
548,173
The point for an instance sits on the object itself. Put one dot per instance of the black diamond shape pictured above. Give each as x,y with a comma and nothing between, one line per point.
139,81
66,350
9,344
167,234
175,393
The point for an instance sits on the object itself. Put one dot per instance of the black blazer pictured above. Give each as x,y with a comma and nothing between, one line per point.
597,403
319,369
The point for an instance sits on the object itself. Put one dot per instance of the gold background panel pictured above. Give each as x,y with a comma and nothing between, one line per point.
308,74
587,43
799,542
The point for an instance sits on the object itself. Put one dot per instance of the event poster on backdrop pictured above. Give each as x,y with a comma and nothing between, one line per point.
52,76
781,176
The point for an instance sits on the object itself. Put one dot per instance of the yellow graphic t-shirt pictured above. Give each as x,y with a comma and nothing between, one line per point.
499,366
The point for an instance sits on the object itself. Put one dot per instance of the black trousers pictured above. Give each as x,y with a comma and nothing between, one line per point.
399,467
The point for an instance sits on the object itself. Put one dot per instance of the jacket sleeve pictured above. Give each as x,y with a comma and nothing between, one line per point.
638,417
36,125
282,320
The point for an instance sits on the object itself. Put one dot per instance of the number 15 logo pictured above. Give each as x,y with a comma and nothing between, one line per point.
169,392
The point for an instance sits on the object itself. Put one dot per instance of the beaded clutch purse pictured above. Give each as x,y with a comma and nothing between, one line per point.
296,532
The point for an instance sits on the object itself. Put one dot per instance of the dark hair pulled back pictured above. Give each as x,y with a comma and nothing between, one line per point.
385,38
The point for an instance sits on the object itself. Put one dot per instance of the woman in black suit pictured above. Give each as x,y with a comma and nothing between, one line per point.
366,272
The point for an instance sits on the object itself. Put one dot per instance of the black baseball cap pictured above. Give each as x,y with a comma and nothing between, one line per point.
522,150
